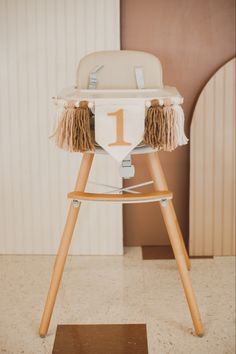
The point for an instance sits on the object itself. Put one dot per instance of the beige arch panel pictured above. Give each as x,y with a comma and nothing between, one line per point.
212,167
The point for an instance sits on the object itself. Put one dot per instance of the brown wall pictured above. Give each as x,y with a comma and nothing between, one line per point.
192,38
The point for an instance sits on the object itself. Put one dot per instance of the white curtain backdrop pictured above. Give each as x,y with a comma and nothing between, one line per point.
41,42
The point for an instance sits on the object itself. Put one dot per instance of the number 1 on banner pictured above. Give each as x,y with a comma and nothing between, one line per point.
119,128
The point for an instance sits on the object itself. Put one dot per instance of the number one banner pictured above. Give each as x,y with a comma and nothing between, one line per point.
119,125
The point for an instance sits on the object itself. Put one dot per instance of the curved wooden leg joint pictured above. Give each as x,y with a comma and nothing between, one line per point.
176,241
64,245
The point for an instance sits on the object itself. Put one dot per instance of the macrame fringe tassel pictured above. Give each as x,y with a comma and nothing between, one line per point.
154,125
170,137
73,131
164,126
181,137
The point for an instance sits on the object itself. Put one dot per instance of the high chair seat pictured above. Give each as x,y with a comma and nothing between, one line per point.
123,89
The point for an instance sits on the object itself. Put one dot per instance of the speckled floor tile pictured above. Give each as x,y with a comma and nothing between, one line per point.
118,290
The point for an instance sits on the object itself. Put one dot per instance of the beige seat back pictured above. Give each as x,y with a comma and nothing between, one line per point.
118,71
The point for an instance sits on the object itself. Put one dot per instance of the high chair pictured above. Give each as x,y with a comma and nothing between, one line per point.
101,116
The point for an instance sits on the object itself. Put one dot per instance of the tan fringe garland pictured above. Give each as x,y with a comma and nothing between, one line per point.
160,126
164,127
73,131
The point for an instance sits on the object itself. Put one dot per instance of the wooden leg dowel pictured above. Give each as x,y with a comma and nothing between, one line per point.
160,184
64,245
176,242
180,236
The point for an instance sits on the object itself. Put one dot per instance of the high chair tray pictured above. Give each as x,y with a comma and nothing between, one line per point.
148,94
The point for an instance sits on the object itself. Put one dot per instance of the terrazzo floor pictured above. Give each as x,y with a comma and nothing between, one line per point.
116,290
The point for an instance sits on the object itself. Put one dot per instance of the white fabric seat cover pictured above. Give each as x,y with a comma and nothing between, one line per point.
118,70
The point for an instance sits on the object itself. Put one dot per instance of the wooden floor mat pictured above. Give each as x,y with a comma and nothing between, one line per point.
101,339
157,252
162,252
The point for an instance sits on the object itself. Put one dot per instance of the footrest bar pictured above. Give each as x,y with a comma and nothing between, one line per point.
127,198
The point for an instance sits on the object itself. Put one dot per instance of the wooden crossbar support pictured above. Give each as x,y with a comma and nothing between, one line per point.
121,198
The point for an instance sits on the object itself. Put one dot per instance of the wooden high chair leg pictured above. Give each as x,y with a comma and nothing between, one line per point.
176,240
65,244
160,184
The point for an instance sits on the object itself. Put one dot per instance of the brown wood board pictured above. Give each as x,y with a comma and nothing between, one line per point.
157,252
163,252
101,339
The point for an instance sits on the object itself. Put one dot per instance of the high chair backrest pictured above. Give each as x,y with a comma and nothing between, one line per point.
119,69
